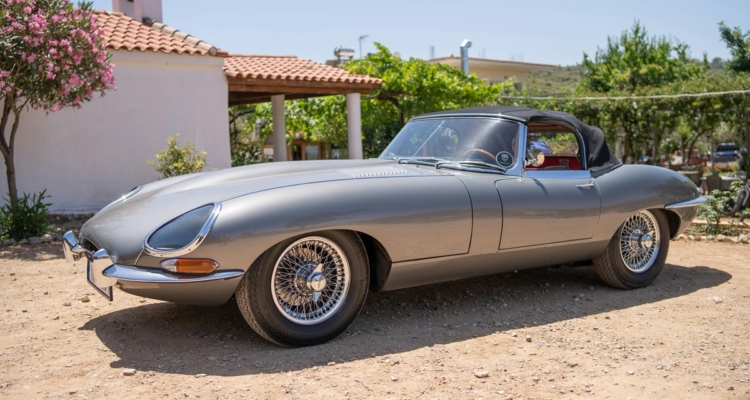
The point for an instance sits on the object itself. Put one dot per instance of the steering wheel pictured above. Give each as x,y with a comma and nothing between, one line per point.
480,151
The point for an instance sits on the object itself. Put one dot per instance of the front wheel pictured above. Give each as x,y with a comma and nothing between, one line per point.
305,290
636,254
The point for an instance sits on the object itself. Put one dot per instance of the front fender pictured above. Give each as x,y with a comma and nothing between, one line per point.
413,217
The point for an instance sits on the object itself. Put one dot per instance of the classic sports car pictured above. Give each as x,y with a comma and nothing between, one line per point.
456,194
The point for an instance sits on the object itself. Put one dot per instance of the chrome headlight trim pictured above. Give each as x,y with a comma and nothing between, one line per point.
124,197
190,246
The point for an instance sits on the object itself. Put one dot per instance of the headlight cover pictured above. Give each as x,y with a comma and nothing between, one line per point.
182,234
123,198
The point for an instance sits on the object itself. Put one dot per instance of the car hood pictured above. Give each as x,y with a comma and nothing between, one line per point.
121,228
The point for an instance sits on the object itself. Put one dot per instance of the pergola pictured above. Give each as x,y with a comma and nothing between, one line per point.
259,79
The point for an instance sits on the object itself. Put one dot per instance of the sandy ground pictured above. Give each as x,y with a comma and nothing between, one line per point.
545,333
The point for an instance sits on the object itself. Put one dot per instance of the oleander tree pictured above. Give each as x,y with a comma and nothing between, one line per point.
52,56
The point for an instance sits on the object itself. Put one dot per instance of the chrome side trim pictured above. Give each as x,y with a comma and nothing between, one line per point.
685,204
190,246
152,275
469,115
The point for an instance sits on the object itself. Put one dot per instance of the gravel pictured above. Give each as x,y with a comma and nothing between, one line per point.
435,341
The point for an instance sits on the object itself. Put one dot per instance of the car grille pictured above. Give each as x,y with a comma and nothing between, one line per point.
89,245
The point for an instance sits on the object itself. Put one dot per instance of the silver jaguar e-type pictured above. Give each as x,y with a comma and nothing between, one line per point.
456,194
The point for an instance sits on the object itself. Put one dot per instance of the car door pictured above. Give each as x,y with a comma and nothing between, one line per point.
548,207
557,201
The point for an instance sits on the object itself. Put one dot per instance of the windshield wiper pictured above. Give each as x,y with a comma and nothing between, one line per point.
471,164
431,161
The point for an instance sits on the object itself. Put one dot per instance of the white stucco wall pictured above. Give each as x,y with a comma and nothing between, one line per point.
89,157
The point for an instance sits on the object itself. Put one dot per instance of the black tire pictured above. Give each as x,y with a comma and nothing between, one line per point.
738,202
611,266
259,303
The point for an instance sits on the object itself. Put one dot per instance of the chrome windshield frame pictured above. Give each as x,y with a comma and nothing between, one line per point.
516,170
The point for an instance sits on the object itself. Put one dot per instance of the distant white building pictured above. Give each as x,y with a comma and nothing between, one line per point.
167,82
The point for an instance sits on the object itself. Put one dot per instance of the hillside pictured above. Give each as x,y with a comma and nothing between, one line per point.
559,80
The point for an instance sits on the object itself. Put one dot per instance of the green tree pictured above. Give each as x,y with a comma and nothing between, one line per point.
410,87
632,64
739,45
244,147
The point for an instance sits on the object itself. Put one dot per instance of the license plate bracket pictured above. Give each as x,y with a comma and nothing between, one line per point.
106,291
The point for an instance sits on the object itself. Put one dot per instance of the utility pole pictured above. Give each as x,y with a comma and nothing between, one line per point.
361,39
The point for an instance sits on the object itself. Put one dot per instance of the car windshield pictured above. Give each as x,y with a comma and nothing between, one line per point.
487,140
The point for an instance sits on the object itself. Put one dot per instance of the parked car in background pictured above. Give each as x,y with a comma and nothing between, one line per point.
726,152
695,158
456,194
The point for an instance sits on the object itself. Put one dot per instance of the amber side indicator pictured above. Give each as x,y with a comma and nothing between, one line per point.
190,265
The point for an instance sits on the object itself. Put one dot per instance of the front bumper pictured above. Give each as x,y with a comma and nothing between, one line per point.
687,211
102,273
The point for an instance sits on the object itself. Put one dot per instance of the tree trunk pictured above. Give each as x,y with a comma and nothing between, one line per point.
691,146
626,146
6,147
655,148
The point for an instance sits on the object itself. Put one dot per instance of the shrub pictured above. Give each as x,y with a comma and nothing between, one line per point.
178,160
719,205
246,151
29,218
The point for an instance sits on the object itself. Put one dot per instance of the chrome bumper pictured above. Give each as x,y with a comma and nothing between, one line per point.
97,262
687,211
103,273
129,273
687,204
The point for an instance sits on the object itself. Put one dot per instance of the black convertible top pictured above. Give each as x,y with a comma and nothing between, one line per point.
599,158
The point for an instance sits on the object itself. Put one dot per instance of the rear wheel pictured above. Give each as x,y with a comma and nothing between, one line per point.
305,290
636,254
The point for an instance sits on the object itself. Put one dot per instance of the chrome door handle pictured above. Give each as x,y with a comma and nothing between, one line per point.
586,185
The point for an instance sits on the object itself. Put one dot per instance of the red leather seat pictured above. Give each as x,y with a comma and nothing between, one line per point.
558,161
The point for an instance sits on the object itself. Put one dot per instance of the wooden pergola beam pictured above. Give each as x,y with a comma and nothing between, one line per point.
242,98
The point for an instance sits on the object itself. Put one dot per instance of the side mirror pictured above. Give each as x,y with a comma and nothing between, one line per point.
534,157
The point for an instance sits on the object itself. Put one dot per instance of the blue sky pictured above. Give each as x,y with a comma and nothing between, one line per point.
544,31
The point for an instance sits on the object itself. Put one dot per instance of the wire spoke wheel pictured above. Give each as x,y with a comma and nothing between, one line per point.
310,280
640,241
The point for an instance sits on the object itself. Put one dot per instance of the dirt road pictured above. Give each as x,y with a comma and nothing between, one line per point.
546,333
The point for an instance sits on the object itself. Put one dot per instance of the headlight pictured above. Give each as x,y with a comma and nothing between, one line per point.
184,233
123,198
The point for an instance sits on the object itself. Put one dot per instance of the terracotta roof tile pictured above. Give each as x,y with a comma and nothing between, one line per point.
290,68
123,32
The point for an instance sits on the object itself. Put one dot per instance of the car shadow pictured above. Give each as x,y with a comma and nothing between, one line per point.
172,338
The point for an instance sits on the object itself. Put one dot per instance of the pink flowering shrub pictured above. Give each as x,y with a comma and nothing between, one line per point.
52,55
